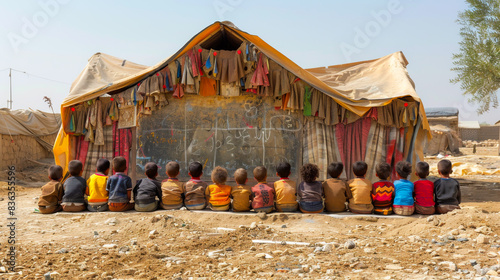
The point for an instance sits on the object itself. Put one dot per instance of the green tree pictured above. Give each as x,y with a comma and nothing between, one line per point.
478,62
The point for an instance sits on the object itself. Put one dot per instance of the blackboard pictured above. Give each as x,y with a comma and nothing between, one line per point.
232,132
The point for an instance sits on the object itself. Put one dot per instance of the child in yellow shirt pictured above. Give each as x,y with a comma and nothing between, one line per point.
286,189
96,187
241,194
172,190
218,193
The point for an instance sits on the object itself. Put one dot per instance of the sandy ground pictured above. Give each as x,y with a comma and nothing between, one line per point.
463,244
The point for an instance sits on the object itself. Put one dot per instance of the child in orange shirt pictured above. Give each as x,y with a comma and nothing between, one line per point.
218,193
241,194
286,189
96,187
263,195
171,189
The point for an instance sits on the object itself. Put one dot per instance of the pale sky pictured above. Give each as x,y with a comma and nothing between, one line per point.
54,39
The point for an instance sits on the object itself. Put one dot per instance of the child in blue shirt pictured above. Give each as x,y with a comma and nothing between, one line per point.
403,190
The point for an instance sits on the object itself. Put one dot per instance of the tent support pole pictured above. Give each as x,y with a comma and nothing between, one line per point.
133,157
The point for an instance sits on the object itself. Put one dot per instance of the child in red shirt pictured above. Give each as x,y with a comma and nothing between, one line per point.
263,195
423,191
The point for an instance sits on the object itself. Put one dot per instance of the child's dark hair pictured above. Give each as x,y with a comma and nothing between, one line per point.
383,170
119,164
359,168
195,169
260,173
335,169
309,172
75,167
56,172
444,167
151,170
283,169
240,176
219,175
403,168
172,169
102,165
422,169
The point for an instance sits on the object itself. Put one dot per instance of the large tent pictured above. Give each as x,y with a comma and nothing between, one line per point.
228,98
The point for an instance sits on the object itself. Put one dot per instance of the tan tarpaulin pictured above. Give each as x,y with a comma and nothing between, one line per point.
104,74
28,122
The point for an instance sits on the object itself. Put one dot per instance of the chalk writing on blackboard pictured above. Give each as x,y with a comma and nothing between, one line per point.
235,132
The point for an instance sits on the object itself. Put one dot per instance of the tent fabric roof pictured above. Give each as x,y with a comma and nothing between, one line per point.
356,86
435,112
28,122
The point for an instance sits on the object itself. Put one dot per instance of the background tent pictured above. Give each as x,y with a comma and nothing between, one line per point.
26,135
443,122
360,111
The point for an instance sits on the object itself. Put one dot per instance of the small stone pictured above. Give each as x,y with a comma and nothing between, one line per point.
448,265
156,219
260,255
283,226
492,273
369,250
215,254
269,230
253,248
123,249
455,232
109,246
482,239
463,239
262,215
111,221
223,264
436,222
491,254
297,270
483,230
350,244
253,225
133,241
361,265
152,234
62,251
327,248
2,269
228,249
393,267
413,238
430,219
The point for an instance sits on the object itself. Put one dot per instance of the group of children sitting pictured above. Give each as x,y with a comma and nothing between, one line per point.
114,193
